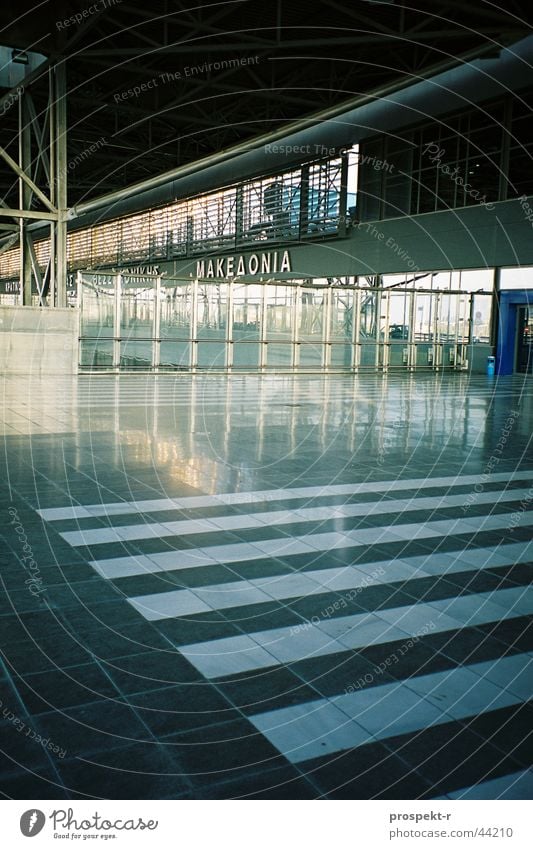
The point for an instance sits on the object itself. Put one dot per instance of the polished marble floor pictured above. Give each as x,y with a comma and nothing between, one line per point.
292,587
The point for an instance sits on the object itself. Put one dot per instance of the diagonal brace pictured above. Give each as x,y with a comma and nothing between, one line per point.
22,174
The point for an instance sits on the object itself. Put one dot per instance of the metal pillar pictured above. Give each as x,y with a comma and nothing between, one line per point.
58,144
25,199
44,163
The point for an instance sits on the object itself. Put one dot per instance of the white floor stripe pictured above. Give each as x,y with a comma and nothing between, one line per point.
216,658
188,527
326,726
518,785
345,578
121,567
115,508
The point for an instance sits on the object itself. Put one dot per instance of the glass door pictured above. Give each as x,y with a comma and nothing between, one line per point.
524,340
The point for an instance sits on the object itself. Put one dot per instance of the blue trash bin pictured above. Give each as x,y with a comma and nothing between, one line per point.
491,366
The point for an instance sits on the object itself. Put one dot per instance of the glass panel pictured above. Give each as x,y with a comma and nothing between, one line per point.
136,354
478,354
271,208
311,355
137,309
212,355
324,196
448,318
212,311
176,311
441,280
246,312
106,242
135,243
159,230
368,354
463,312
209,221
481,319
311,315
98,306
369,324
279,312
478,278
79,249
341,315
341,356
279,355
423,330
399,305
517,278
246,355
96,353
175,354
398,354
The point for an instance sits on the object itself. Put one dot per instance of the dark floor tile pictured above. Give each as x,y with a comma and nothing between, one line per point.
262,617
91,727
57,688
262,690
23,747
515,633
201,627
467,645
510,730
28,785
368,772
219,752
136,771
281,783
172,710
452,756
136,672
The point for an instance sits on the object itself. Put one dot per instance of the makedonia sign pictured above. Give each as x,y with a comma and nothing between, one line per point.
241,265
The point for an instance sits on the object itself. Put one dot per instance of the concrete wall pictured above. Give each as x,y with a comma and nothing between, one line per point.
38,340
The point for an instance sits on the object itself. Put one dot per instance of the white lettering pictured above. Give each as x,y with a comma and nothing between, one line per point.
265,263
285,262
241,265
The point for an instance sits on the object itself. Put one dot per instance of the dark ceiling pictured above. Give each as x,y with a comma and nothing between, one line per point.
283,60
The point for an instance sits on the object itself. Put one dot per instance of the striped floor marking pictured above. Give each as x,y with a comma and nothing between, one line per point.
243,653
121,567
332,724
187,602
517,785
52,514
189,527
327,726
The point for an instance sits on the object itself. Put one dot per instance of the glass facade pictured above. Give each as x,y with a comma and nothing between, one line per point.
152,323
480,155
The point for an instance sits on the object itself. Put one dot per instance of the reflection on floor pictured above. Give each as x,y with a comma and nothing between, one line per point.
267,587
